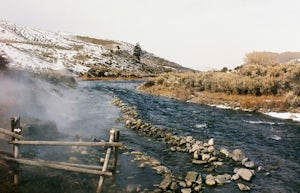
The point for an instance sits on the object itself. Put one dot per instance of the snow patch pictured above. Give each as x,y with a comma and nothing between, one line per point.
221,106
22,59
286,115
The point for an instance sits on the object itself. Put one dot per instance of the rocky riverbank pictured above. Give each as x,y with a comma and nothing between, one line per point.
240,169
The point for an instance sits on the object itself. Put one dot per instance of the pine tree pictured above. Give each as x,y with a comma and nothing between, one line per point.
137,52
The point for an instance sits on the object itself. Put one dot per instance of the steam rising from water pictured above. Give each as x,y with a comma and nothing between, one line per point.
26,96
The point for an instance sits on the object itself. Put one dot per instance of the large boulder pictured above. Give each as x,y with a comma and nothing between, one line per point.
245,174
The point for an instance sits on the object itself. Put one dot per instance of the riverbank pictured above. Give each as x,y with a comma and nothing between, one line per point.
275,106
88,78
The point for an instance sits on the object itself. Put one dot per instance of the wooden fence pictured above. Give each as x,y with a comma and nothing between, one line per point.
112,146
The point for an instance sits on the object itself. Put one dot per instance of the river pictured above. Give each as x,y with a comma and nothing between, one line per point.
272,143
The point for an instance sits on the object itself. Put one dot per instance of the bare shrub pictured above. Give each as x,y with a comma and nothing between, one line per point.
293,101
253,80
160,81
149,83
262,58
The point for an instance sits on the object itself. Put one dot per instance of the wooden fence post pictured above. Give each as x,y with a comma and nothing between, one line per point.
106,160
15,128
116,139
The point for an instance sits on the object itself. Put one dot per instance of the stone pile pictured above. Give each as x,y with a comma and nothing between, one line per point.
201,153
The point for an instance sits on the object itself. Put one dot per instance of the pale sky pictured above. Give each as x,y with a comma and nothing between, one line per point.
199,34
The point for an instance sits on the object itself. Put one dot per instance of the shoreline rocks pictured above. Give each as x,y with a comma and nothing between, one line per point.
245,174
201,152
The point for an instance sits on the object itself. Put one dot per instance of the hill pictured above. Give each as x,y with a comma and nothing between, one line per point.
39,51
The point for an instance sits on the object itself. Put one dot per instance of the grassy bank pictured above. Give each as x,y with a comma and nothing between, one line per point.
234,101
254,87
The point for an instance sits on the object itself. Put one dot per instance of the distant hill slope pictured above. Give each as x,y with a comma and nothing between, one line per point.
288,57
39,51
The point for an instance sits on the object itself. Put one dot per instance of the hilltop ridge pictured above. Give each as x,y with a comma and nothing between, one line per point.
39,51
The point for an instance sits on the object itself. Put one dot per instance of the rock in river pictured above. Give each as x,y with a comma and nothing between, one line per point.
211,142
191,176
245,174
249,164
238,155
223,179
243,187
199,162
210,180
166,182
225,152
186,190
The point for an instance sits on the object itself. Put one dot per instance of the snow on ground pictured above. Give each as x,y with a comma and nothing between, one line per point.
33,35
7,36
79,68
39,50
22,59
286,115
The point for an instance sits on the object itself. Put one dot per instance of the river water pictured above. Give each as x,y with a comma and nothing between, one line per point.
272,143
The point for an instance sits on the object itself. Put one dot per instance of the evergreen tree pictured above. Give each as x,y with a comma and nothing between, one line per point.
137,52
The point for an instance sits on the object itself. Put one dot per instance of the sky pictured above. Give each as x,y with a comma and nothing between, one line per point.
198,34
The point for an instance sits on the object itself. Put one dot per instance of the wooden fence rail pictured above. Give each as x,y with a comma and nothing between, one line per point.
69,143
16,141
9,133
56,165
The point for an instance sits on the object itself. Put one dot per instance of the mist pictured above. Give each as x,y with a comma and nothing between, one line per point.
22,94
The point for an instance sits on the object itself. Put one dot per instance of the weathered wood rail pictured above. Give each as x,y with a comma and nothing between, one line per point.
68,143
112,146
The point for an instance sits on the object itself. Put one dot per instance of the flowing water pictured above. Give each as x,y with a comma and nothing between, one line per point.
272,143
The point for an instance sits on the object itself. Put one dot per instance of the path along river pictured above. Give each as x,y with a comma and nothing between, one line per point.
272,143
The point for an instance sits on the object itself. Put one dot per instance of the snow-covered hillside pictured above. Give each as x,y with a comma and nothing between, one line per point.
40,50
